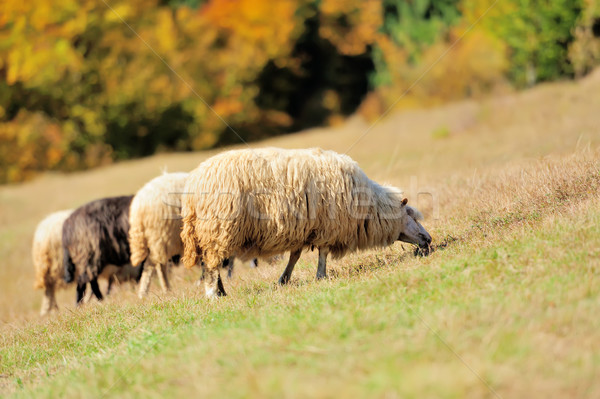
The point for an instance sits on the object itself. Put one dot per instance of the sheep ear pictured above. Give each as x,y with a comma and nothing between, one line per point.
404,201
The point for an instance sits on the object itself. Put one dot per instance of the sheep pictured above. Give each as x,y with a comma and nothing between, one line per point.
95,242
47,253
264,202
155,227
47,258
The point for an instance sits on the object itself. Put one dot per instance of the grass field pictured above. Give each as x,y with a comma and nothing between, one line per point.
507,306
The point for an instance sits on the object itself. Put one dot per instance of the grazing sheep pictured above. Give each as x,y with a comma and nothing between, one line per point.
250,203
48,258
155,227
94,237
47,252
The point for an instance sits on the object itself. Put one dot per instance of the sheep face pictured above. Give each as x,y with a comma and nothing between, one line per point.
412,231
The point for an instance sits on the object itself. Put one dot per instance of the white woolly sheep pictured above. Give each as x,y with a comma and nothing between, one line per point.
155,227
47,253
47,256
251,203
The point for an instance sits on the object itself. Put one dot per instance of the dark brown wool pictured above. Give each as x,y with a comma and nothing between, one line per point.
94,236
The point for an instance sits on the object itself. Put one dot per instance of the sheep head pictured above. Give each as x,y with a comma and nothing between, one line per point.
412,231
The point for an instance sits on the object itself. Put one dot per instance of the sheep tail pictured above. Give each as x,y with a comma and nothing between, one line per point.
188,237
69,266
137,243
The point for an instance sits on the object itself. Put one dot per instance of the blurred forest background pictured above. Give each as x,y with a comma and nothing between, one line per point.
79,88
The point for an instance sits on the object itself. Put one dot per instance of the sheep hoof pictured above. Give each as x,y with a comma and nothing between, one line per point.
283,280
215,296
213,293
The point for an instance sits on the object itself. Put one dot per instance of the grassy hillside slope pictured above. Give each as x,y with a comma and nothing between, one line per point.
506,306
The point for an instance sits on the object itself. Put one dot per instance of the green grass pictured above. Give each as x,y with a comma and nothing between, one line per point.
511,296
520,312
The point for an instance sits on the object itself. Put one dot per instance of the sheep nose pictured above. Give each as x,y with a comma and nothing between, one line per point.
425,237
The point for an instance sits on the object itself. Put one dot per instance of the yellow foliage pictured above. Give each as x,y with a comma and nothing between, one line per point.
165,31
475,64
584,52
29,143
39,40
82,86
467,64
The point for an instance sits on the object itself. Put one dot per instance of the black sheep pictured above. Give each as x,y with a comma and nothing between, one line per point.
94,237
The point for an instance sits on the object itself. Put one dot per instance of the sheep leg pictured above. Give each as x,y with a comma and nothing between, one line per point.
145,280
49,301
228,263
81,287
161,271
230,268
220,288
213,286
322,267
111,280
287,273
96,289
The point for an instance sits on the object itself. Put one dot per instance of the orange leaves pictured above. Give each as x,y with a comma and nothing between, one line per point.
267,25
350,25
228,106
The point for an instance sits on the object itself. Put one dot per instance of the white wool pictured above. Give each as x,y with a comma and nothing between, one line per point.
261,203
155,227
155,221
47,250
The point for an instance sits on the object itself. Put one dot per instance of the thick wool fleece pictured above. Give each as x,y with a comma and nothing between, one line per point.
95,236
47,251
155,219
263,202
